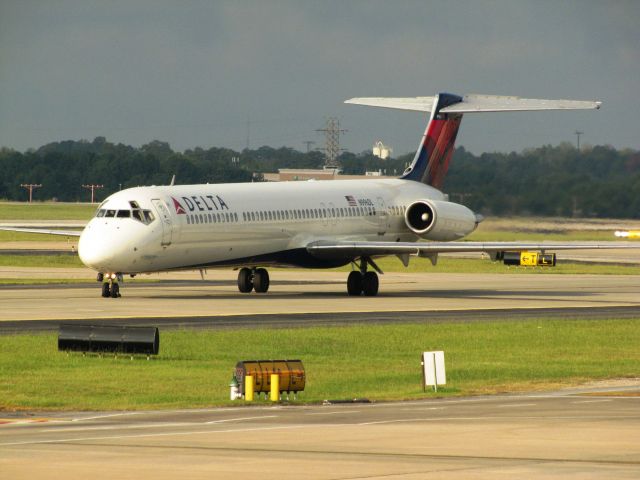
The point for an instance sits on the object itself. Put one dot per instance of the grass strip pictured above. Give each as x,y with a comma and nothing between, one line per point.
46,211
42,261
379,362
7,236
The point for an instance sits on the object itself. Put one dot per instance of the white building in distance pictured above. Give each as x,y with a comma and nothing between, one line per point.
380,150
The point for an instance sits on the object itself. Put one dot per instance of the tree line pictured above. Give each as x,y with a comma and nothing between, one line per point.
598,181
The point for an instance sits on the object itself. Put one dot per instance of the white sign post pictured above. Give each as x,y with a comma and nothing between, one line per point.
433,372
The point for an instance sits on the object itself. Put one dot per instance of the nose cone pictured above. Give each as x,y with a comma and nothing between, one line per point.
102,249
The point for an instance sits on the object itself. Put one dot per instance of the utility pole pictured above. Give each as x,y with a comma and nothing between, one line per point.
578,133
30,187
332,133
248,133
308,143
93,188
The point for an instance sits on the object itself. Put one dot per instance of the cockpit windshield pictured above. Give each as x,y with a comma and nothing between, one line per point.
137,213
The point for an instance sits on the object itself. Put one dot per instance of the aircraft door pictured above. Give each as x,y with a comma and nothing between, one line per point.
383,216
334,214
165,219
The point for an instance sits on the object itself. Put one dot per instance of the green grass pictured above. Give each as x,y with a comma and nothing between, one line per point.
6,236
46,211
500,235
379,362
42,261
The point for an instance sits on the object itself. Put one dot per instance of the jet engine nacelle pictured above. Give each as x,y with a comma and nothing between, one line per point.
439,220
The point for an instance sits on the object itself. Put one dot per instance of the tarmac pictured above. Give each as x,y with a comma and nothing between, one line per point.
592,432
182,295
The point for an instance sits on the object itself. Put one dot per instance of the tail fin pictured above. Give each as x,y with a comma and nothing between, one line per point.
434,153
432,158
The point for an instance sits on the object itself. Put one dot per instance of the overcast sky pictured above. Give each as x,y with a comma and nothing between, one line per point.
198,73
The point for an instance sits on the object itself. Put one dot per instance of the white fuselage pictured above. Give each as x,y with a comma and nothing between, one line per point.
195,226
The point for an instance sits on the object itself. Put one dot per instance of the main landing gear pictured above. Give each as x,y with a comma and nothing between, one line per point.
253,279
110,285
362,281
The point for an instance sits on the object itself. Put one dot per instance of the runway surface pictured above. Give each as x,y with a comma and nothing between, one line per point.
592,433
296,297
589,433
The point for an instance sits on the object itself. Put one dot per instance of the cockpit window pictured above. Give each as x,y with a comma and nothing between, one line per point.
142,216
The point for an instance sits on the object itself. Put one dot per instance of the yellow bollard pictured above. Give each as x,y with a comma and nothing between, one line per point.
248,388
275,387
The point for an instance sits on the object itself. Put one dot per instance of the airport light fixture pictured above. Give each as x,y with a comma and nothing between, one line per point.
31,187
93,188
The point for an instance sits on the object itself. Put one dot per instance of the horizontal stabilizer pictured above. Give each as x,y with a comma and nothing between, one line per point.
476,103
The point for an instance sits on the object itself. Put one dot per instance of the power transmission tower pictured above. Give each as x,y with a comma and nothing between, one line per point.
93,188
30,187
332,149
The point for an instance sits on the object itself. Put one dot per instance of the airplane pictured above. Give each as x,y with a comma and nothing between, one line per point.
310,224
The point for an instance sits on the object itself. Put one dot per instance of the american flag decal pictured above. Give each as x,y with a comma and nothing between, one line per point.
352,201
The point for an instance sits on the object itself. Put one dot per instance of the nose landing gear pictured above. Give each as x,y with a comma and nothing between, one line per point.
110,285
253,279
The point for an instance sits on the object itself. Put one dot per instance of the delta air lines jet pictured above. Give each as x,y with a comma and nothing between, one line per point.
310,224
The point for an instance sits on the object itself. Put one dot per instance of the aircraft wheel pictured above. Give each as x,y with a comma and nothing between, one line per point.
245,283
115,290
354,283
370,284
106,292
261,280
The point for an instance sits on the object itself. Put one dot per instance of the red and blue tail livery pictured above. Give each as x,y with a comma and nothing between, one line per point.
434,153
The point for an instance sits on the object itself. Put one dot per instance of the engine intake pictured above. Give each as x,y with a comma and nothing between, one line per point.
439,220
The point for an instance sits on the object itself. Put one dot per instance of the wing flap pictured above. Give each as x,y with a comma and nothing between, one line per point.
357,249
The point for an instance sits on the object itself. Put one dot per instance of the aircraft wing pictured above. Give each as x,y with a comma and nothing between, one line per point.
66,233
324,249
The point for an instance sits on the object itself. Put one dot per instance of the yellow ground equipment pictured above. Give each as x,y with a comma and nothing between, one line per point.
634,234
291,375
529,259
